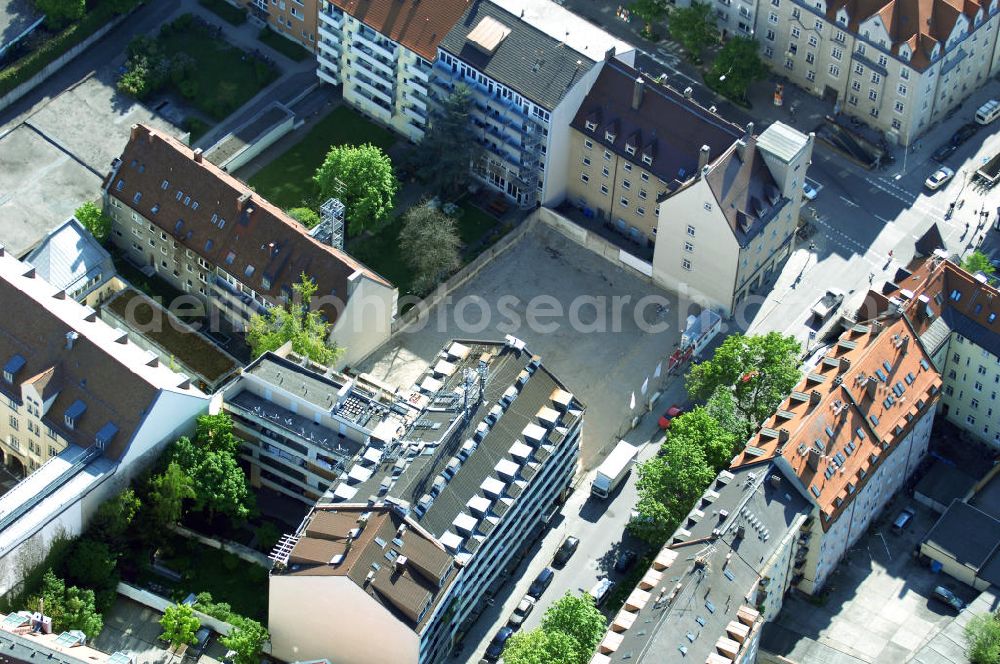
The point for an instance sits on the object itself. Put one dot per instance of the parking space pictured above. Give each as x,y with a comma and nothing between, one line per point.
878,607
599,329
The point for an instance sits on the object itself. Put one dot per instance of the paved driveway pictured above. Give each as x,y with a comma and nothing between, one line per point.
878,609
596,347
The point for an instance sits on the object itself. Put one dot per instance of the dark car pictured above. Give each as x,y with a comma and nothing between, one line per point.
964,133
541,582
495,649
201,641
625,560
951,599
943,152
566,550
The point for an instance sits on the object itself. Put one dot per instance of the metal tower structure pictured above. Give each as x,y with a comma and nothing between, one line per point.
331,214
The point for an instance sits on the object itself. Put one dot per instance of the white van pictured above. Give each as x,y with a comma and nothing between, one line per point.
988,112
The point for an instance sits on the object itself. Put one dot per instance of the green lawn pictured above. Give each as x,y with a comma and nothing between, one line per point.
287,181
225,11
224,77
473,223
230,579
196,127
283,45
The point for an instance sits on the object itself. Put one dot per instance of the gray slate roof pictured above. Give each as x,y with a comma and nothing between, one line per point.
944,483
69,256
529,61
745,190
969,534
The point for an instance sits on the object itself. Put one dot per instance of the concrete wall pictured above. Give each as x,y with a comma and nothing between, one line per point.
160,604
367,319
259,144
57,64
952,567
595,243
19,561
235,548
331,617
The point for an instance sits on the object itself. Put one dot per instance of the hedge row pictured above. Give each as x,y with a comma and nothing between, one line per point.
35,61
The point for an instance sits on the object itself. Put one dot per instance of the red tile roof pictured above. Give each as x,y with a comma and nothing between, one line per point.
419,25
218,217
850,412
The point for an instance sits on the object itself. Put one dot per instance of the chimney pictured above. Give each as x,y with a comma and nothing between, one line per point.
134,132
688,91
71,336
242,201
741,147
845,364
608,54
703,156
814,457
197,155
637,93
749,130
783,435
814,397
400,564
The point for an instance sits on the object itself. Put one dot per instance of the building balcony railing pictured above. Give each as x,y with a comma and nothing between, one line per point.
326,32
329,51
422,73
333,19
418,85
327,74
416,114
385,67
416,100
381,48
234,298
375,90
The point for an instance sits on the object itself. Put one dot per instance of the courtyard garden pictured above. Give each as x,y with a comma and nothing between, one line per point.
190,58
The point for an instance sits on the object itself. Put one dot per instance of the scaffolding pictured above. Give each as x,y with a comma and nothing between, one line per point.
330,229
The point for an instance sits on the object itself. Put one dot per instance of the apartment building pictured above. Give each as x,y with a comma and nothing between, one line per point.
849,436
297,20
724,229
634,141
899,66
25,637
718,579
302,425
86,411
206,233
529,65
492,451
381,53
956,315
71,259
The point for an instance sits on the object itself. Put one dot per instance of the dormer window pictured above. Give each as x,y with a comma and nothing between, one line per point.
647,159
590,125
73,413
120,185
137,197
164,185
630,149
609,137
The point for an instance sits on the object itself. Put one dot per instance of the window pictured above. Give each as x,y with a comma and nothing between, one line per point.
811,75
834,71
14,443
810,57
852,100
586,161
904,74
837,53
970,419
641,211
768,52
686,264
609,137
773,18
645,177
627,166
840,36
604,189
605,172
13,422
882,61
642,194
626,184
690,230
796,13
873,112
901,90
899,107
876,78
584,177
591,126
796,32
859,69
588,144
812,40
873,94
861,49
623,202
688,247
769,35
856,86
982,370
607,156
647,159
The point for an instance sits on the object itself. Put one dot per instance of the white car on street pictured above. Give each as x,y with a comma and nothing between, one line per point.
809,191
939,177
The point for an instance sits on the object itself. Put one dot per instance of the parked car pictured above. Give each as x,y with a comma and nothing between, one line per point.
669,416
944,152
625,560
903,520
495,649
964,133
938,178
808,191
601,590
827,304
200,643
522,611
566,550
541,582
951,599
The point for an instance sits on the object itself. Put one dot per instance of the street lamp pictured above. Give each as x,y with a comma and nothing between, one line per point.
906,153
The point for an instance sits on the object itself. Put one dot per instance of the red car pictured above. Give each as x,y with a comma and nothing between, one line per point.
668,416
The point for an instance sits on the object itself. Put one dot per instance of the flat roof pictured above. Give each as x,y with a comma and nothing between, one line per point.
944,483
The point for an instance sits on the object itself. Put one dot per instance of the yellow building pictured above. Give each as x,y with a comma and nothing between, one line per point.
291,18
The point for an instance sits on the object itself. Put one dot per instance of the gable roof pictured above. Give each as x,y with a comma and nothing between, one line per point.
419,26
102,378
667,127
69,256
219,218
534,64
849,413
746,192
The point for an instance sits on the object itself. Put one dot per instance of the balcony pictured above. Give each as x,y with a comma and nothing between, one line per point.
416,100
325,32
328,75
233,298
376,91
329,51
384,67
416,114
335,20
383,49
276,423
418,85
423,73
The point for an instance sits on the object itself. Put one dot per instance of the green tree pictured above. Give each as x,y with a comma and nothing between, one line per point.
760,371
247,640
296,322
694,28
305,216
649,12
217,481
698,427
721,407
60,13
430,243
449,148
361,176
737,65
167,493
69,607
578,618
92,564
977,261
983,635
179,625
215,432
114,518
539,647
94,220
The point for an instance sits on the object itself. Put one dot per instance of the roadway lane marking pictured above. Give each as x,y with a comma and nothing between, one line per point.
884,221
849,201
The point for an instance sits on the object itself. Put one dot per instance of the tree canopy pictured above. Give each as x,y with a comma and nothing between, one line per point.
759,370
694,28
983,635
297,322
977,261
442,159
699,428
69,607
247,640
305,216
94,220
429,243
571,629
92,564
218,482
167,493
114,518
737,65
179,625
650,12
60,13
361,176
